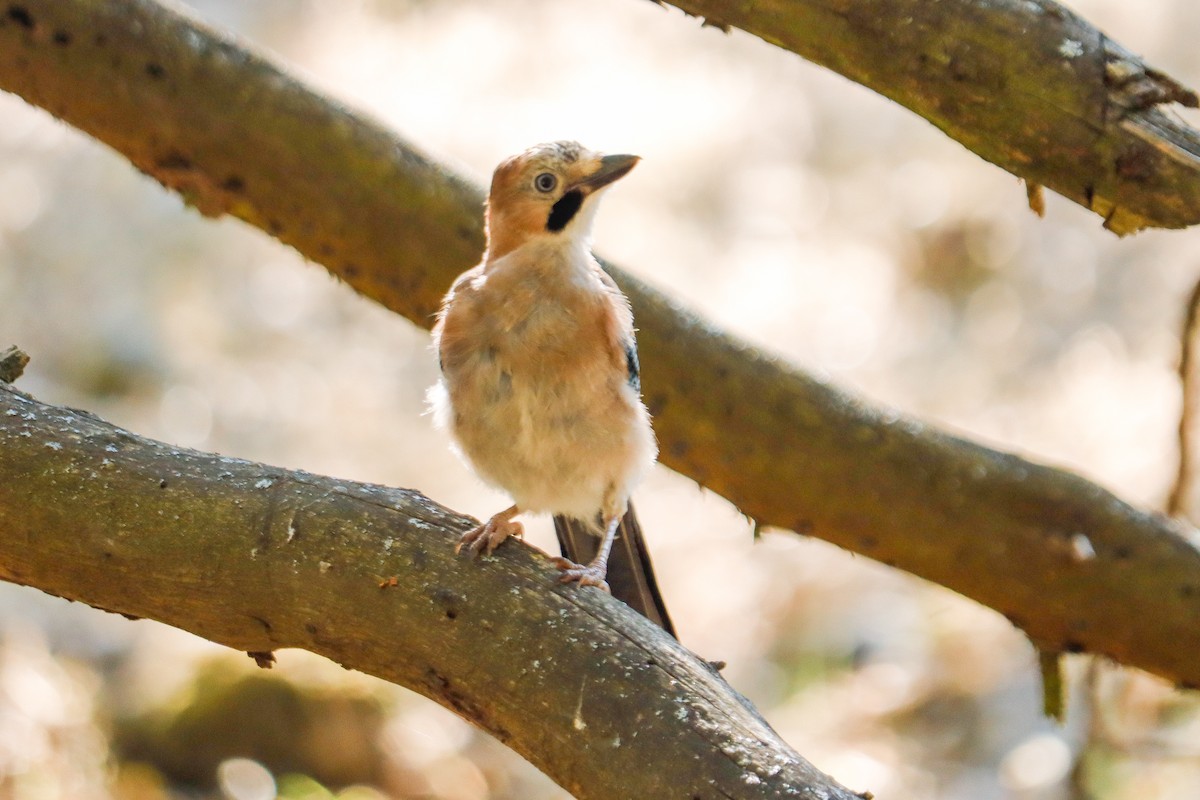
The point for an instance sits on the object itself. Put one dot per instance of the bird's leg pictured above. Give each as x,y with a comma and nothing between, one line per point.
596,570
491,534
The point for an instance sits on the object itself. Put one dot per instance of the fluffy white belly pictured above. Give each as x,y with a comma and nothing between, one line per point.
572,447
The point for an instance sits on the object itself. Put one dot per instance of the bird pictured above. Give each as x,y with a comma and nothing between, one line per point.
540,386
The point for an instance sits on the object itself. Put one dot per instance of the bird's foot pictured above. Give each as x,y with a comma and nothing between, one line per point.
585,575
491,534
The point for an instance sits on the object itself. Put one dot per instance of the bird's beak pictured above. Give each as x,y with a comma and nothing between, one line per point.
611,168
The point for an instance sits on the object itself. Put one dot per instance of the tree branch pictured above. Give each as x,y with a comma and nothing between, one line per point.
1073,565
260,558
1028,85
1184,500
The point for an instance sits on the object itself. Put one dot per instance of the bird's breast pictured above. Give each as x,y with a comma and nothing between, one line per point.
538,397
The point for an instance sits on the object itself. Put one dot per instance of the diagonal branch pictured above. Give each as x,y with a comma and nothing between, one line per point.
1073,565
1026,84
260,558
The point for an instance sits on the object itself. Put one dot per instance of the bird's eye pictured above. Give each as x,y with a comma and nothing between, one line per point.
545,182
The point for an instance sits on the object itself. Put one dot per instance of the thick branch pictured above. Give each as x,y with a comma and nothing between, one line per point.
1064,559
1027,85
260,558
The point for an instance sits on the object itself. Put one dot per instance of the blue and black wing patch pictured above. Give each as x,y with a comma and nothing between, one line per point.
631,364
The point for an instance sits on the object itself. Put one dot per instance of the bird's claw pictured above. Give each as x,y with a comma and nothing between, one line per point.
584,575
490,535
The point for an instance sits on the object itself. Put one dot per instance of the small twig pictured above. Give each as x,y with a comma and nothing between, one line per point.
12,363
1088,714
1179,503
1053,686
1036,197
265,659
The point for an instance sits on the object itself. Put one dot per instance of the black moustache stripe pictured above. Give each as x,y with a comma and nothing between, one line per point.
564,210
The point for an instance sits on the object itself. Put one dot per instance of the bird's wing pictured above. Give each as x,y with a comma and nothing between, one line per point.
622,327
451,331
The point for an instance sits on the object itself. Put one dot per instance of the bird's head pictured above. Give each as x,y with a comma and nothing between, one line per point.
549,190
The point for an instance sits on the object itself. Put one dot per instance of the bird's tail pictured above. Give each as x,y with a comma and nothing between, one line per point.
630,574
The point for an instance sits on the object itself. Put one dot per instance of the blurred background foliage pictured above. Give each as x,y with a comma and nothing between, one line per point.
786,204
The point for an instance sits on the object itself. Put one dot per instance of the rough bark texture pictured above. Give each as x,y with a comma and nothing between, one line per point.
1073,565
260,558
1025,84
